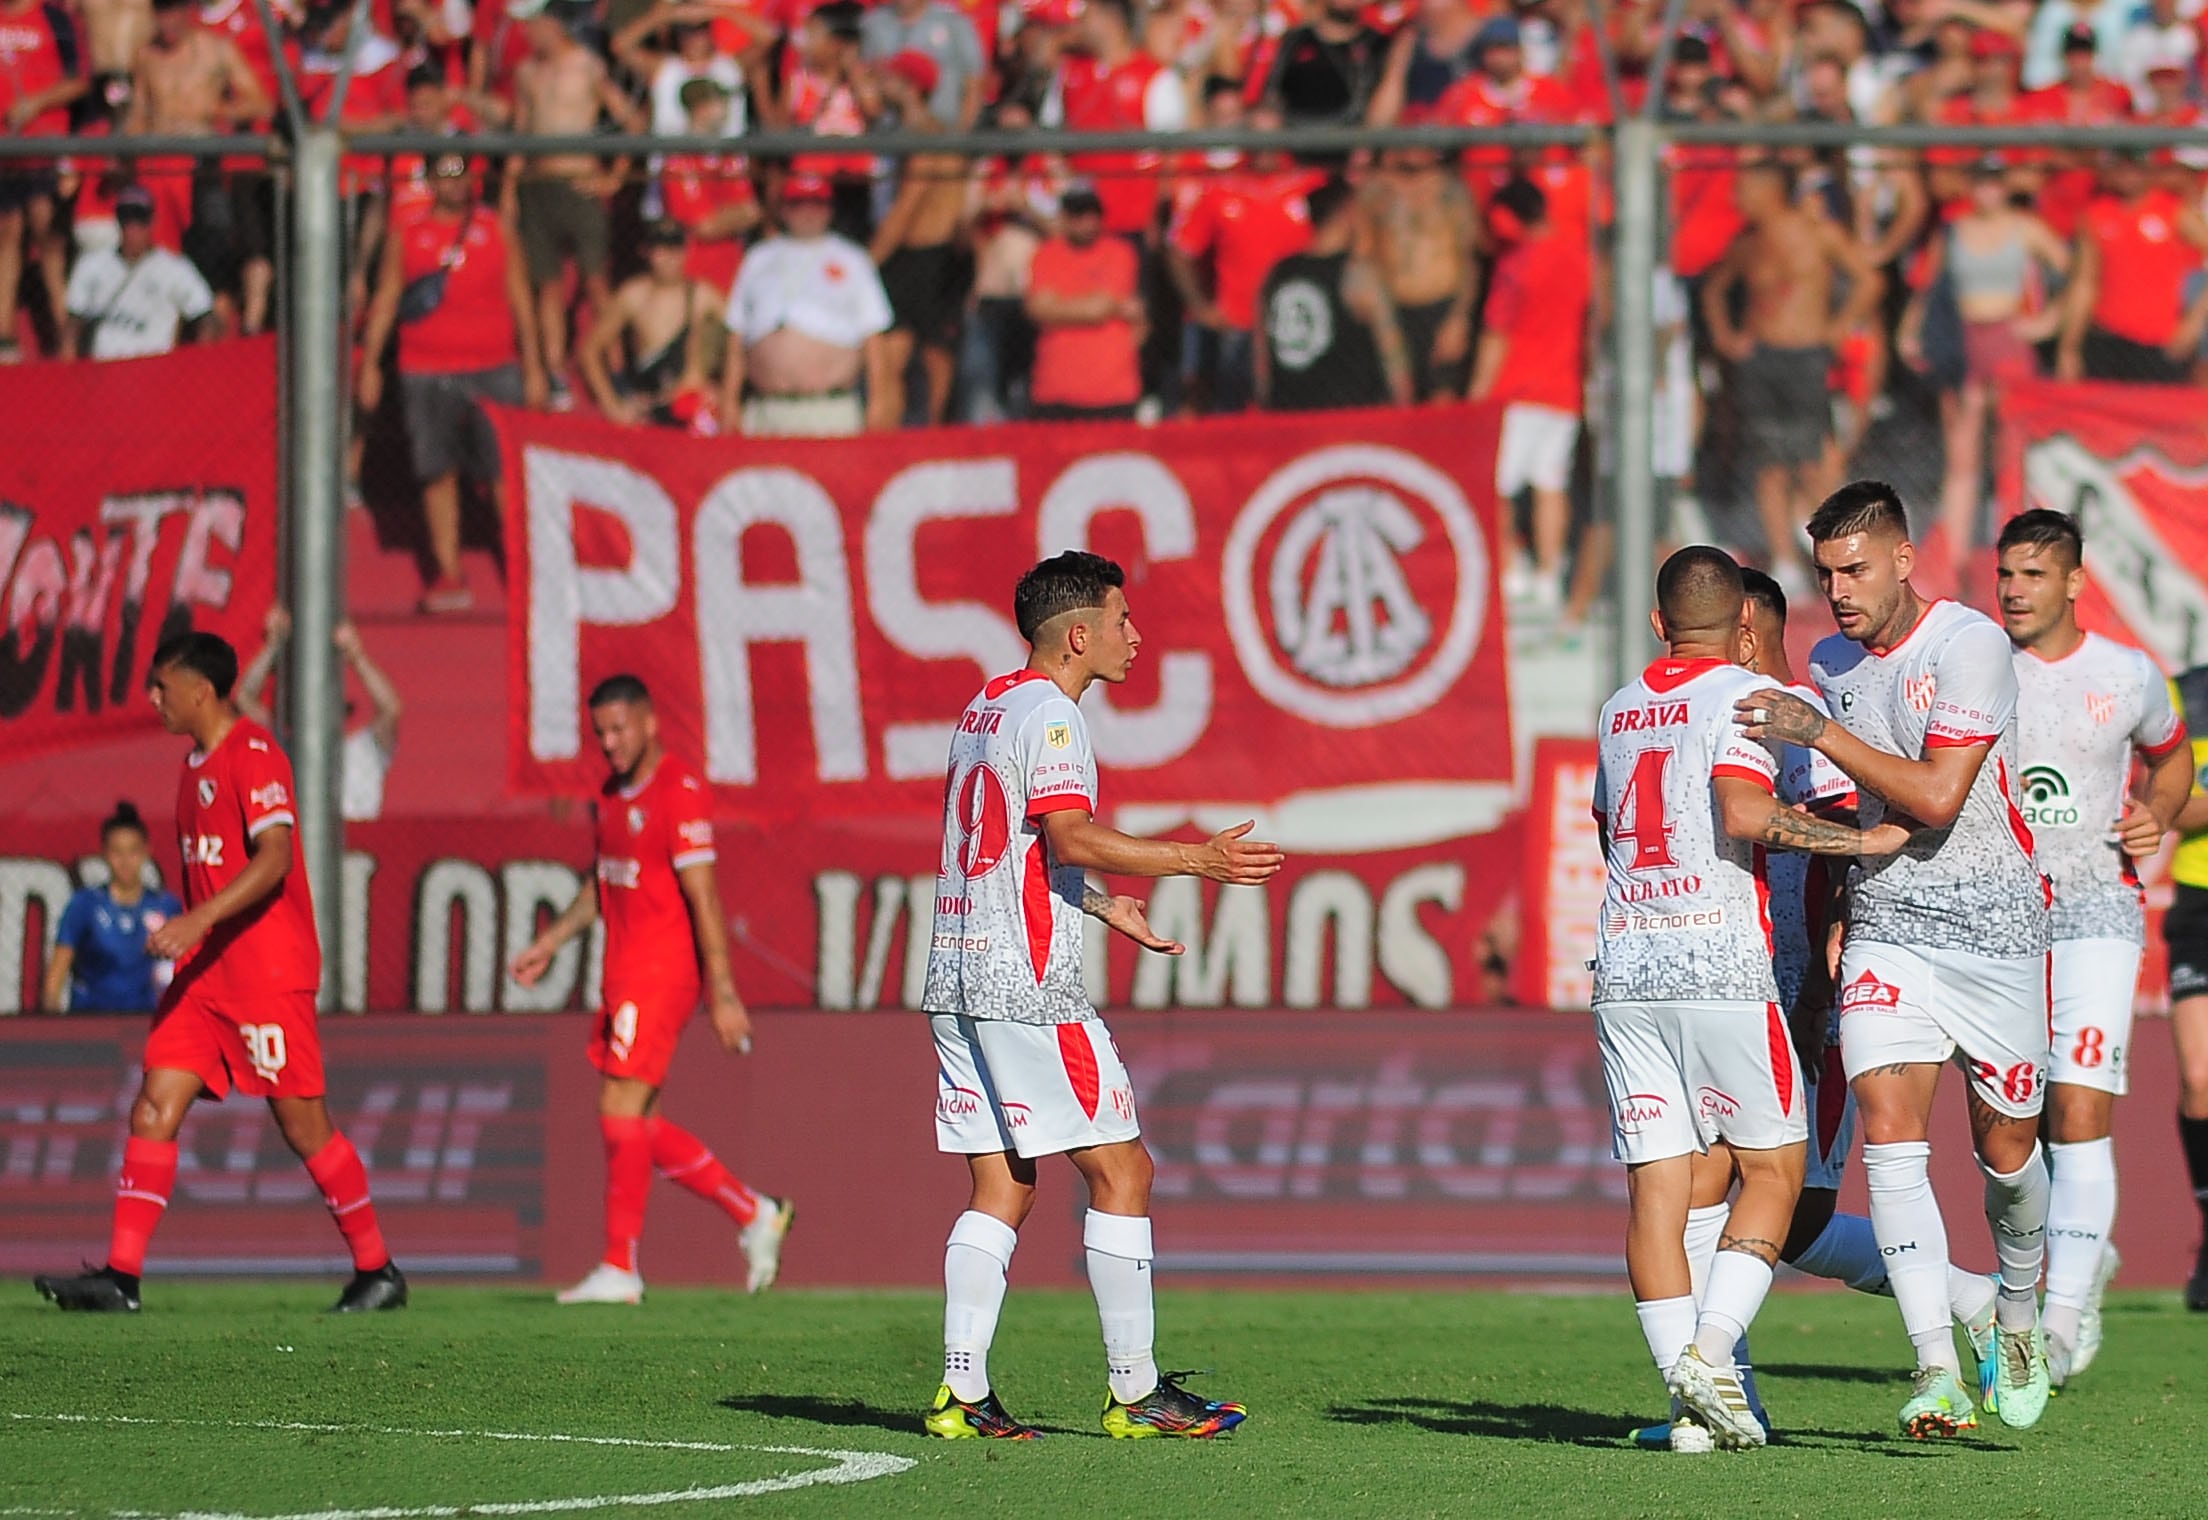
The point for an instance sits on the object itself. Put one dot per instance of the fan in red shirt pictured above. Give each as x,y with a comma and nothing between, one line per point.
1113,86
41,75
2126,317
710,194
1992,101
2080,99
1500,93
655,889
240,1012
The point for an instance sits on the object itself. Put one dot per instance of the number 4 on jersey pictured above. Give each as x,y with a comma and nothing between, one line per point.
1639,815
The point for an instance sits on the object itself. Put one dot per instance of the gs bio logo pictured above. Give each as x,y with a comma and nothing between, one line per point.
2047,803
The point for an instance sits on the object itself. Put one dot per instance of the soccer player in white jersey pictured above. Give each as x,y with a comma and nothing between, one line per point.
1027,1069
1946,943
2085,706
1694,1047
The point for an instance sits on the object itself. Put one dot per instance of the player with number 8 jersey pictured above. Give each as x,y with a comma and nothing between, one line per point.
240,1012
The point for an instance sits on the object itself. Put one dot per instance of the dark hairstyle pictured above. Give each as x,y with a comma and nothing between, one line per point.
1329,200
1064,583
2044,528
1860,506
1761,589
842,19
1216,85
1689,49
621,688
125,816
1523,199
425,76
1123,8
202,653
1698,589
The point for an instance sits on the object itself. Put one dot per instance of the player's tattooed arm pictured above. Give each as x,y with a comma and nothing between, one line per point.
1126,916
1751,813
1765,1251
1780,717
1094,903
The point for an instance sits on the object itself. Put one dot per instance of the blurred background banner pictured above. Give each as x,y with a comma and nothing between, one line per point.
1318,608
126,517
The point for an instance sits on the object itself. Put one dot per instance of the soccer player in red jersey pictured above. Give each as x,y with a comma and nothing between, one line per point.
655,887
240,1012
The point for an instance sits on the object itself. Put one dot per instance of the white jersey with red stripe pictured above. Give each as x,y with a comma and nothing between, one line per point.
1683,911
1008,922
1800,884
2078,721
1974,885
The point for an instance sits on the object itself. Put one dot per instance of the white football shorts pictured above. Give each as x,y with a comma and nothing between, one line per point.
1535,449
1684,1075
2094,985
1039,1089
1902,1006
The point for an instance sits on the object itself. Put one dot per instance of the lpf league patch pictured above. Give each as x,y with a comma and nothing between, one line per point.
1058,735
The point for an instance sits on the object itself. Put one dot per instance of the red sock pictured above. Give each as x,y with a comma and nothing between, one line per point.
683,1159
337,1171
628,1180
141,1198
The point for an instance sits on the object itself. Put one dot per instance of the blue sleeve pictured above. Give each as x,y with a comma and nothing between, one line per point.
75,918
165,903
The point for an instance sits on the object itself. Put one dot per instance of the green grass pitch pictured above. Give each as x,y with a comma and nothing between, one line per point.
245,1401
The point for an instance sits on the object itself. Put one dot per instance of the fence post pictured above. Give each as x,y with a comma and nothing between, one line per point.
1638,173
317,538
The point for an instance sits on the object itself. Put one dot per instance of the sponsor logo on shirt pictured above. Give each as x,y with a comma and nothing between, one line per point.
1661,887
2047,798
271,795
1665,923
1639,1109
1920,690
1639,719
962,944
1867,991
616,872
697,833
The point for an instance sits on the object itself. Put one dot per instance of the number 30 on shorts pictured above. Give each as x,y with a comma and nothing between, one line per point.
264,1047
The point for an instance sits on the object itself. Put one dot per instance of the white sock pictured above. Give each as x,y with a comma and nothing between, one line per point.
1738,1283
1705,1227
1667,1324
1845,1251
974,1265
1969,1294
2081,1209
1119,1276
2016,1207
1913,1240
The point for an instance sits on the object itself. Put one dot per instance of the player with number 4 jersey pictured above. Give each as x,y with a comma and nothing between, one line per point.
2086,708
240,1011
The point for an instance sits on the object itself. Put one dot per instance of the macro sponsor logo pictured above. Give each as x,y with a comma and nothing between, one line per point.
1867,991
1634,720
2047,801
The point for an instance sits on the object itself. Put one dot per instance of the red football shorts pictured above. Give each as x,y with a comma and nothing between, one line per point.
637,1031
266,1047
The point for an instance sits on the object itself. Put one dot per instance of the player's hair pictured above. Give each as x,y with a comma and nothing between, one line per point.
1328,200
1699,590
125,816
1765,592
623,688
1124,9
1523,199
1064,583
1860,506
202,653
2044,528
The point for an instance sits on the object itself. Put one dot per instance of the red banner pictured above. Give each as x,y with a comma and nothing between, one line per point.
137,499
1320,624
432,912
1563,872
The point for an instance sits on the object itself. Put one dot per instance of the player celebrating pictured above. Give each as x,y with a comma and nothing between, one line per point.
240,1012
1694,1049
2085,706
662,906
1946,942
1027,1068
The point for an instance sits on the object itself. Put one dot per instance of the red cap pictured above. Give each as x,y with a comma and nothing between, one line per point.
1051,12
1985,44
917,69
807,187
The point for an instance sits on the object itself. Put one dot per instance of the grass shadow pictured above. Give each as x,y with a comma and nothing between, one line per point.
1556,1424
1826,1372
848,1414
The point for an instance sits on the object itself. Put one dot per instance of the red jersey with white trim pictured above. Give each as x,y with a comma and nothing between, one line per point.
1008,922
2078,721
1684,915
1801,884
646,834
1975,885
226,801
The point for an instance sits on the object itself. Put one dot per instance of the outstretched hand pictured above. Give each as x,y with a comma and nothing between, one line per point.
1126,915
1232,857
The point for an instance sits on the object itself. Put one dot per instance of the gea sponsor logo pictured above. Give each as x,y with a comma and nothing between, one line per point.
1867,991
1638,719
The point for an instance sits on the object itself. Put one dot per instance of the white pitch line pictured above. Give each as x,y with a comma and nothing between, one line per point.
850,1467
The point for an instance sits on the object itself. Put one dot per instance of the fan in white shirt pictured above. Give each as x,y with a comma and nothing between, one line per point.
134,299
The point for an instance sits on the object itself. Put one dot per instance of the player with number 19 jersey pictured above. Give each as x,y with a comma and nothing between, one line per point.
646,835
1694,1047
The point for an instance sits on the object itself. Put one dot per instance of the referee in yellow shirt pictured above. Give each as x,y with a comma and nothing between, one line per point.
2186,931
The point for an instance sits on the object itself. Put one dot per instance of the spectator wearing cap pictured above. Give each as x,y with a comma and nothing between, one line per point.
710,194
1084,297
2053,25
2160,40
942,34
452,287
692,50
1327,70
135,298
916,248
1438,48
823,83
1327,333
649,352
2124,313
41,77
562,89
806,320
1498,92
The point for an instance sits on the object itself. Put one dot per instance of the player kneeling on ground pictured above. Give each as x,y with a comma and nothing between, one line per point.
1027,1069
240,1012
1694,1048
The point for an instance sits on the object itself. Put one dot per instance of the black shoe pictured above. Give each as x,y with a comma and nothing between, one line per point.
384,1288
2196,1291
101,1290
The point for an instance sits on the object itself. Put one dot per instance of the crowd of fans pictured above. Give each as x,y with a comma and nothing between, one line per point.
846,290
